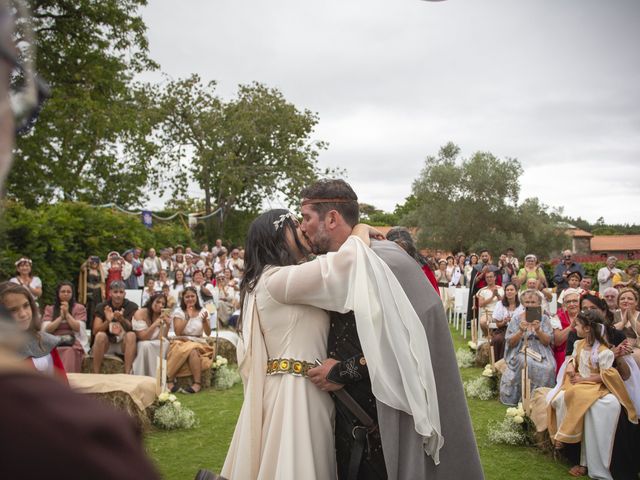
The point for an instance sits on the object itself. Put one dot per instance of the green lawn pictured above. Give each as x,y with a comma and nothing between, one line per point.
180,454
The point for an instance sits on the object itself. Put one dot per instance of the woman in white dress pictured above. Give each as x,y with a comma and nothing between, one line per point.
285,428
146,324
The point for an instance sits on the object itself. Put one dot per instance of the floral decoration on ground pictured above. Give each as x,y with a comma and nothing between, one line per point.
515,429
225,376
170,414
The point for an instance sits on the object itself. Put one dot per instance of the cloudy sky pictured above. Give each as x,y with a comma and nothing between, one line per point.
552,83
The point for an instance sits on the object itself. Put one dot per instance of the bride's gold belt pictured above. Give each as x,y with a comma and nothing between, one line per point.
288,365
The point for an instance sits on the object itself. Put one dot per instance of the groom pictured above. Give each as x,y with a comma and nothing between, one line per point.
329,211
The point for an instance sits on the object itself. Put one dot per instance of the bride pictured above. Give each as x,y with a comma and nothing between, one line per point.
285,427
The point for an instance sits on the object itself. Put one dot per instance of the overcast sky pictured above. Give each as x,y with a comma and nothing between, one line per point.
552,83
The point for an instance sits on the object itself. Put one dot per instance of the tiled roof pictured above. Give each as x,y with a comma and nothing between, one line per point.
577,232
615,243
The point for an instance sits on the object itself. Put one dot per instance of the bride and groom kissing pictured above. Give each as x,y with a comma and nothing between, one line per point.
387,400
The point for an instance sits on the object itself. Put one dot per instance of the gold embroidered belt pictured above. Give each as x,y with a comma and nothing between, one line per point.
288,365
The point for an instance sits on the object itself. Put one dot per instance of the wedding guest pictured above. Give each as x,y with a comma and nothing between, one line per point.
531,269
505,269
564,322
236,264
488,298
209,276
473,261
503,312
573,282
539,335
563,269
512,259
149,291
179,283
163,279
610,296
628,278
166,263
189,267
24,276
217,247
586,284
112,330
115,270
227,300
146,323
221,262
179,262
189,353
138,267
67,319
606,274
39,349
151,265
92,287
627,318
130,272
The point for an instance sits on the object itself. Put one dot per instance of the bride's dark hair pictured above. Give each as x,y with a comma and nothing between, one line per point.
267,245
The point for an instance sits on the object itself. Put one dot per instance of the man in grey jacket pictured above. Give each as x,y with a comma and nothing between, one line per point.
394,450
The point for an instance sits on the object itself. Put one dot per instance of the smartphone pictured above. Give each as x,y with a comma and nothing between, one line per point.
533,313
165,311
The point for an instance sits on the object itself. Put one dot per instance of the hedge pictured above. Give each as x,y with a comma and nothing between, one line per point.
60,237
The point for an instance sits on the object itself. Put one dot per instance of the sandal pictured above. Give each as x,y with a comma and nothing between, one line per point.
190,388
175,387
578,471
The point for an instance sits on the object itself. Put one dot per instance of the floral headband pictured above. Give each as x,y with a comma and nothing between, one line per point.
278,224
24,260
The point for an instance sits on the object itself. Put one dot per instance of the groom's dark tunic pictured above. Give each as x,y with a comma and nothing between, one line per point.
404,456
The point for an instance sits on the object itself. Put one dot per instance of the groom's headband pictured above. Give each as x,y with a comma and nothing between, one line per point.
312,201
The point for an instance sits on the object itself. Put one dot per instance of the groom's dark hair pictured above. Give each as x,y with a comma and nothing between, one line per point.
346,200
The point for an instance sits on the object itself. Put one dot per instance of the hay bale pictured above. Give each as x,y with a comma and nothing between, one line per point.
226,349
207,375
542,440
110,364
122,401
483,355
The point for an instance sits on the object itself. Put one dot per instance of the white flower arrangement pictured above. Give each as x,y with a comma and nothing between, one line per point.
514,428
488,371
482,388
472,345
225,377
464,358
220,362
171,414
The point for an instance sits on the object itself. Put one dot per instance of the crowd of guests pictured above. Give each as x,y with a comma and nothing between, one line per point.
185,296
576,337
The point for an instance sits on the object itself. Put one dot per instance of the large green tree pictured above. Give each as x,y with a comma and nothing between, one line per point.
467,203
240,152
91,141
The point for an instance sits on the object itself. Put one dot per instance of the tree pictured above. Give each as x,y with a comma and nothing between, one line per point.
462,204
255,146
92,140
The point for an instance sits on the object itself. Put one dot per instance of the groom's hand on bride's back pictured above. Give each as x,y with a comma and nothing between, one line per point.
318,375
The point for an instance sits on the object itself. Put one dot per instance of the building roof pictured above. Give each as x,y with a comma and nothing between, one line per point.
577,232
615,243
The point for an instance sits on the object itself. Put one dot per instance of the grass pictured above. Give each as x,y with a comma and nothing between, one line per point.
179,454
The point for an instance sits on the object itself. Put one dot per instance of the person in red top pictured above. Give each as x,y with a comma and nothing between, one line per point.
40,347
402,237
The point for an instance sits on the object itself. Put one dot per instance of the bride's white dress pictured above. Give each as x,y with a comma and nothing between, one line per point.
296,435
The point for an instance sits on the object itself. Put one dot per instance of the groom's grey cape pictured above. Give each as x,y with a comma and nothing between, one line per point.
403,453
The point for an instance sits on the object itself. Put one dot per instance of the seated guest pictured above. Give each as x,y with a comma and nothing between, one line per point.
189,353
209,276
630,277
545,293
151,266
227,303
606,274
221,262
468,269
92,288
67,319
207,295
586,284
488,297
541,363
503,312
146,324
573,282
40,347
585,405
112,329
237,264
610,296
163,279
24,276
179,282
564,322
149,291
628,318
189,267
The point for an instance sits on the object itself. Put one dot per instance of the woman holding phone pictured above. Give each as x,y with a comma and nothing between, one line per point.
147,324
534,328
189,353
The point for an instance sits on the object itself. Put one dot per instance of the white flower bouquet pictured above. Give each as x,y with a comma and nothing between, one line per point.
515,428
170,414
